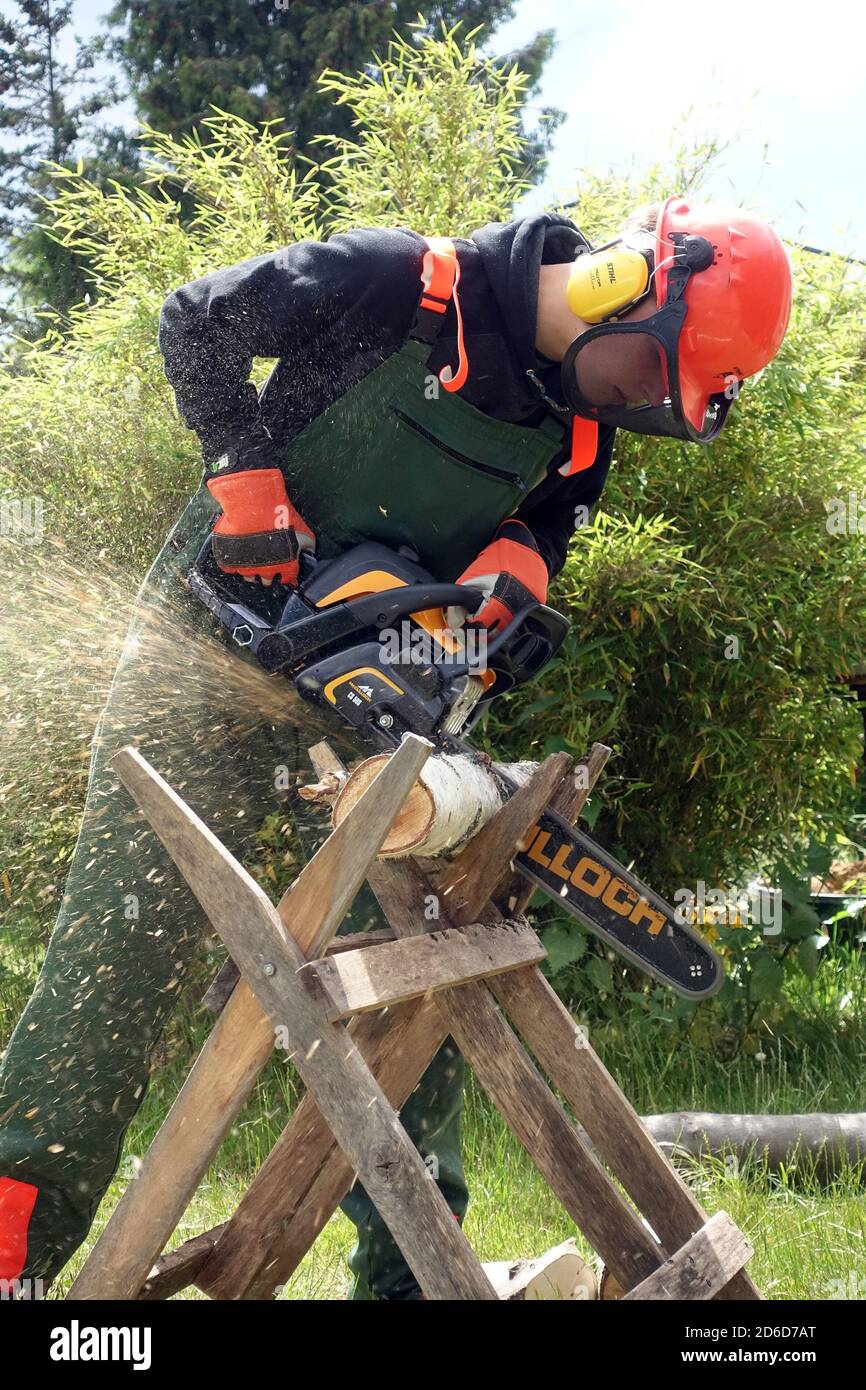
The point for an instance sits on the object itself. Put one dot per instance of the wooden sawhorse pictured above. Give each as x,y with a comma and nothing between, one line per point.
473,973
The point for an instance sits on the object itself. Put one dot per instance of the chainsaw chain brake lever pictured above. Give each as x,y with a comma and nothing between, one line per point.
377,610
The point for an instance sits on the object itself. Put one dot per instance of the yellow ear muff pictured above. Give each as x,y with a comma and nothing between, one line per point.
605,281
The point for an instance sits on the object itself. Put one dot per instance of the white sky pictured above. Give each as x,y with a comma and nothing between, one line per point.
778,72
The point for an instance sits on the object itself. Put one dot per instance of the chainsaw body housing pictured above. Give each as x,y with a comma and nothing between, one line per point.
365,636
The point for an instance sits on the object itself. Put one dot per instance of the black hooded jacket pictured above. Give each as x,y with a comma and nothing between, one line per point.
331,311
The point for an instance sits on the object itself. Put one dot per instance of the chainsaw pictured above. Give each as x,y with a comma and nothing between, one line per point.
364,637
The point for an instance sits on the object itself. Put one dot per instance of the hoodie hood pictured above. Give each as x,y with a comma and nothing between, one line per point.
511,253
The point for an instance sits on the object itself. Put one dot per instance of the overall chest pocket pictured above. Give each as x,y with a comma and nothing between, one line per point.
514,454
452,455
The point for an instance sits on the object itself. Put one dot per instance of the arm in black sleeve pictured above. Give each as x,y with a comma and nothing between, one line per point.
552,516
211,329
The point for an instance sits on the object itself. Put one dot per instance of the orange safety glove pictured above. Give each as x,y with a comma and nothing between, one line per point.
17,1200
510,572
260,535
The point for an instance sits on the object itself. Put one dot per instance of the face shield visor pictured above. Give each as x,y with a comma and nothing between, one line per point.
628,372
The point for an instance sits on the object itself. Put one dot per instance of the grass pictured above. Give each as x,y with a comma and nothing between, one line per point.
808,1238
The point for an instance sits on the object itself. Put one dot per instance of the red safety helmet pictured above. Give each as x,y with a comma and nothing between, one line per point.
722,282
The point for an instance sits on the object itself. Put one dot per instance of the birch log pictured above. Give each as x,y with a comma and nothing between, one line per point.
451,800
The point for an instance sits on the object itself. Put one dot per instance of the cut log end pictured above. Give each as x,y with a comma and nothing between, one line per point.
413,821
560,1274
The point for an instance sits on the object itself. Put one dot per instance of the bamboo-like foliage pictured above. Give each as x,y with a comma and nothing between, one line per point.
438,139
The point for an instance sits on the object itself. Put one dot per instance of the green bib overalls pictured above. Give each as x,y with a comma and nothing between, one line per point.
399,459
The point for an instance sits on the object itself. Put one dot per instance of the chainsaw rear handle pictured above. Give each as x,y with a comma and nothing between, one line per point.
533,636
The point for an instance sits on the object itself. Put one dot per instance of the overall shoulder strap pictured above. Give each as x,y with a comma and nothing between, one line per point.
440,276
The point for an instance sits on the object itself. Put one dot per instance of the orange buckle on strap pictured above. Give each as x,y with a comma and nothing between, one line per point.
440,276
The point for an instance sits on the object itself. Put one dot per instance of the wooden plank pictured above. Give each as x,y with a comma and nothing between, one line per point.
465,886
219,990
573,792
527,1104
702,1268
326,1057
177,1269
355,941
357,981
563,1051
306,1175
325,760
